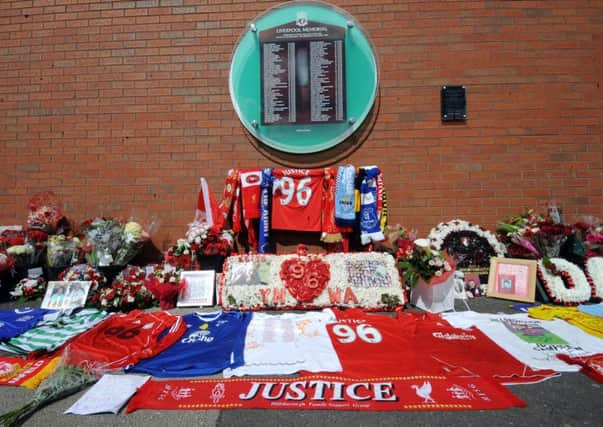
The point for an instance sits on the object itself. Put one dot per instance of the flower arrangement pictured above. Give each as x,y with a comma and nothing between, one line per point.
564,281
6,261
10,238
44,213
84,272
209,240
530,235
180,255
61,251
111,242
29,289
423,263
470,245
126,293
165,284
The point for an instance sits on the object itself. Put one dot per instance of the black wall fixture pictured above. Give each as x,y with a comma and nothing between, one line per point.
454,103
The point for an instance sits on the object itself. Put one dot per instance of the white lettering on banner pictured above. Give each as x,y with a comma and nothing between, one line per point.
301,390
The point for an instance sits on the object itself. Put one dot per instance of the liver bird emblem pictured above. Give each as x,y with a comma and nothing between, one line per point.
424,391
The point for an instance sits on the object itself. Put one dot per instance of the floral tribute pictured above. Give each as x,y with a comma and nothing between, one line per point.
165,284
417,261
6,261
29,289
593,268
209,240
180,255
470,245
84,272
126,293
564,281
304,281
111,242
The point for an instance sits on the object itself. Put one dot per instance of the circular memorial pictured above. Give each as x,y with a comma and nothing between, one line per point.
303,77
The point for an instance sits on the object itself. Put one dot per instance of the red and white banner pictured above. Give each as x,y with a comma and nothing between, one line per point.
409,393
25,373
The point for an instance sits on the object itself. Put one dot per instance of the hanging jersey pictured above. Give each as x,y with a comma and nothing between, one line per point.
250,192
287,343
124,339
446,350
531,341
297,199
49,335
15,322
588,323
372,344
212,342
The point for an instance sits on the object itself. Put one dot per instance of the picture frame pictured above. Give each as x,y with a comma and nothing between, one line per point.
198,290
473,285
513,279
65,295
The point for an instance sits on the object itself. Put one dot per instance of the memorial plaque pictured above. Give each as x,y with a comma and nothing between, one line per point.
303,74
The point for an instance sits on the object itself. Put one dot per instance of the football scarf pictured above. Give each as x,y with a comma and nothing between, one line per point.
265,198
25,373
405,393
330,232
228,196
345,207
370,227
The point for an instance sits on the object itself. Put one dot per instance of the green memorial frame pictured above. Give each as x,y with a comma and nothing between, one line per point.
358,77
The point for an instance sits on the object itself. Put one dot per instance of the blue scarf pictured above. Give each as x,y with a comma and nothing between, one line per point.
265,196
370,230
345,209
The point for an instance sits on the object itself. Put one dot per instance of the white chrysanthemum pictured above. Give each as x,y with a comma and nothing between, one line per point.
594,268
556,287
438,234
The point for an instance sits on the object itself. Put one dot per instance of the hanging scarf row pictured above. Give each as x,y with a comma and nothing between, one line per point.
338,202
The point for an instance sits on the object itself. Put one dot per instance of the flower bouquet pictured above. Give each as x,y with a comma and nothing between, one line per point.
429,274
6,262
10,238
61,251
68,378
84,272
211,244
126,293
180,255
165,284
44,213
103,237
29,289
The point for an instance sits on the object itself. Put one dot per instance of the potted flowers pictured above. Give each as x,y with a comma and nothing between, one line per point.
428,273
164,283
210,243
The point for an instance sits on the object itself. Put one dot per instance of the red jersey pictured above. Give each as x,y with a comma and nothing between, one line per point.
372,345
444,349
297,199
124,339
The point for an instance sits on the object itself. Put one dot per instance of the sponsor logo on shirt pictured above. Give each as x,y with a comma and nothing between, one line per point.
453,337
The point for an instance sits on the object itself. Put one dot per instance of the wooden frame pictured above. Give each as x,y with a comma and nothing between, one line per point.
512,279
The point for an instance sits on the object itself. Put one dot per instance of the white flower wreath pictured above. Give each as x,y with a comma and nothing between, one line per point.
594,272
555,286
438,234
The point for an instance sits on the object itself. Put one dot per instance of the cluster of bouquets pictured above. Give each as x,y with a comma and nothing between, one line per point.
72,374
164,283
111,242
209,240
126,293
85,273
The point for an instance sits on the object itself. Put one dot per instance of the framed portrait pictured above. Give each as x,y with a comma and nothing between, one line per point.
63,295
198,290
473,285
512,279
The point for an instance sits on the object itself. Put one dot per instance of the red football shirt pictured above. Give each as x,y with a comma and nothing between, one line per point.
297,199
444,349
124,339
373,345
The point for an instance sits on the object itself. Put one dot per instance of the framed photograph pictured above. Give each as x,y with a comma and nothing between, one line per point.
198,290
66,295
473,285
512,279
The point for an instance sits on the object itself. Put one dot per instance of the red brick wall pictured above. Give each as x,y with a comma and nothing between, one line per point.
117,105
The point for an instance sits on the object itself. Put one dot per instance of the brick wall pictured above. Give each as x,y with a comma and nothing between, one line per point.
117,105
